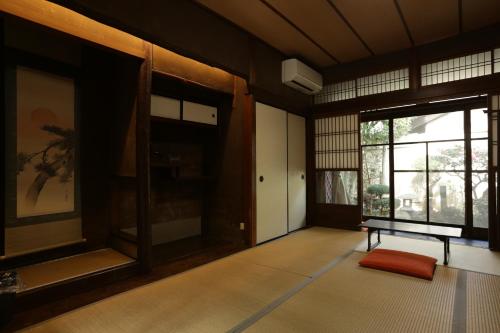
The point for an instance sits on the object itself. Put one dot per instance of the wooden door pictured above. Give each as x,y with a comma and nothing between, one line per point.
296,172
271,172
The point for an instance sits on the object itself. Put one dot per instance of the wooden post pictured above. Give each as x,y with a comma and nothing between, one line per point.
144,233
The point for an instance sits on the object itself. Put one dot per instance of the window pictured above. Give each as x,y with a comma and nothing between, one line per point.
337,159
448,70
375,154
337,187
479,167
425,159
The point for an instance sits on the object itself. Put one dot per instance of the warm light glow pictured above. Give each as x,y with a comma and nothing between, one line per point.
65,20
171,63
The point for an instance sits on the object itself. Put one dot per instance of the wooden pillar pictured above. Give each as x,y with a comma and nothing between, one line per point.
2,140
144,234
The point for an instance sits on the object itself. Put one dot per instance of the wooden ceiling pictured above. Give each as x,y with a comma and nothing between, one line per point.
329,32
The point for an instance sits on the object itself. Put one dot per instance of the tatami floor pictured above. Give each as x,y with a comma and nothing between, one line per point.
308,281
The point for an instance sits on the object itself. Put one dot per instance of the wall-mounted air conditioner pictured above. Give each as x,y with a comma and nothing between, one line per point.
301,77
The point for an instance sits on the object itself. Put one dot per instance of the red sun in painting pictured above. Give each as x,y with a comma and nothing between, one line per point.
43,116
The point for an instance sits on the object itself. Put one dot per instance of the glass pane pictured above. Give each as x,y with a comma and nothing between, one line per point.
447,156
375,132
447,197
479,123
409,157
443,126
479,155
480,199
376,181
337,187
410,194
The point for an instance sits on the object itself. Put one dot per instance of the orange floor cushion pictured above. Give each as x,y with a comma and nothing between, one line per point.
400,262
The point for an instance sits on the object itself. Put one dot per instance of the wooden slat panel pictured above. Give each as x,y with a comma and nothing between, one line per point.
171,63
377,22
430,20
480,13
320,21
68,21
262,22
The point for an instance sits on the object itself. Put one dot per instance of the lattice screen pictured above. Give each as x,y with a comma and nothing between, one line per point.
336,92
466,67
383,82
495,106
337,142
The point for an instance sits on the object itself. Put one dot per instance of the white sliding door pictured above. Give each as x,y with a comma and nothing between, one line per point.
296,172
271,172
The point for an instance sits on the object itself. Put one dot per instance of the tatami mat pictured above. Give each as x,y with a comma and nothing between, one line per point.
462,256
483,303
303,283
350,298
53,271
211,298
305,251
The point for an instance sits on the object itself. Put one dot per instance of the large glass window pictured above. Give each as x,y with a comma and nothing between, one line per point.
479,162
375,153
434,180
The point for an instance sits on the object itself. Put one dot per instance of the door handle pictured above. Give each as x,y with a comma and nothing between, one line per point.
261,179
302,177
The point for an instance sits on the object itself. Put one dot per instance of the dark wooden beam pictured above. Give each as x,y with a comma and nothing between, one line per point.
302,32
349,25
403,20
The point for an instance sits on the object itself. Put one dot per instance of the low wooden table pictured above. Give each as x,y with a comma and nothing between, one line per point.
442,233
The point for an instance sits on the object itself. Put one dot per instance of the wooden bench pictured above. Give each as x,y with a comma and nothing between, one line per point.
442,233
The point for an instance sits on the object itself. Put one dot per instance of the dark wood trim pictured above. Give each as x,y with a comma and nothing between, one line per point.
469,215
310,171
403,21
302,32
426,108
250,194
2,138
144,232
349,25
392,190
274,100
460,16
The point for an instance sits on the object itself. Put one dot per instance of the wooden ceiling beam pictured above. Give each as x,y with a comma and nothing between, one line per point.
349,25
403,20
302,32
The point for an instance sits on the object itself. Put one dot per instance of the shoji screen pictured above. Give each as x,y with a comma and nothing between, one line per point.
337,142
337,171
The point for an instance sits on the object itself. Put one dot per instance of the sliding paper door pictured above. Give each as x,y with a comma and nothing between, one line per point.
296,172
271,172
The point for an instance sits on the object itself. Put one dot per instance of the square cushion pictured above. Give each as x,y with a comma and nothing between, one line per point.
400,262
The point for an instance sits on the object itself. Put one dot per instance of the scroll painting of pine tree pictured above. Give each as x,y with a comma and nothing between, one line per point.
45,143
